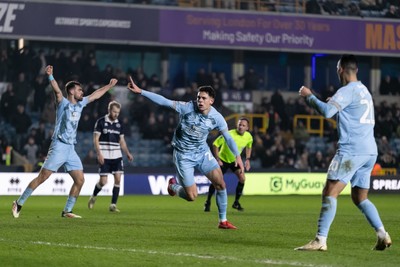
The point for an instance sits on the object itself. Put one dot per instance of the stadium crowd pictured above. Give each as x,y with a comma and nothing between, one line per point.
27,111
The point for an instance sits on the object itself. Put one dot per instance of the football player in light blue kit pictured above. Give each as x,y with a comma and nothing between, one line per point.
196,120
62,148
355,156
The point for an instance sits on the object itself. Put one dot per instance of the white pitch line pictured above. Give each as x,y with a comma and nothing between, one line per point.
154,252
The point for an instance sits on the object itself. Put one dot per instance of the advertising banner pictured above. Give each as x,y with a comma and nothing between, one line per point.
280,32
58,184
385,184
170,26
13,183
73,21
156,183
286,184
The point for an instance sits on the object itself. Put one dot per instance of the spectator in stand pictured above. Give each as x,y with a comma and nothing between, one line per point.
25,63
367,4
318,162
48,115
330,7
91,72
154,81
392,12
4,65
313,7
30,150
385,125
90,158
223,84
386,85
203,78
107,73
40,133
353,10
3,146
250,79
39,86
388,160
74,67
278,103
384,145
58,58
328,92
8,103
21,122
302,163
22,89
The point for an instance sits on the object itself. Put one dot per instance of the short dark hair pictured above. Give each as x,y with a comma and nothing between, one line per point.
349,62
71,84
244,119
208,89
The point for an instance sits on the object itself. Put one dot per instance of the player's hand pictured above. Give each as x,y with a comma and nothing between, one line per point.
239,163
304,91
113,82
49,70
100,159
220,162
247,165
129,156
133,87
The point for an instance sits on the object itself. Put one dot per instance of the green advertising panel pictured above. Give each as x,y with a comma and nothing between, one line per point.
286,184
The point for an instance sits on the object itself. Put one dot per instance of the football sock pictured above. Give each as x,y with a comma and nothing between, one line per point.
239,191
178,189
97,189
27,193
222,203
115,194
326,216
371,213
70,204
211,191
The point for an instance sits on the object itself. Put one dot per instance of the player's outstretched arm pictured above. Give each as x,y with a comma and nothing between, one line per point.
156,98
54,84
101,91
325,109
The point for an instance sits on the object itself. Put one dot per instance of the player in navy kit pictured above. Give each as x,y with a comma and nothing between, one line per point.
62,149
196,120
108,139
356,154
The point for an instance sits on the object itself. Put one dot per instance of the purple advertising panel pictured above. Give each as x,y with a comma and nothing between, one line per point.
156,183
169,26
278,32
83,22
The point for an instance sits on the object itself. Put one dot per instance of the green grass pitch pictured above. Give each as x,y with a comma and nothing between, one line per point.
167,231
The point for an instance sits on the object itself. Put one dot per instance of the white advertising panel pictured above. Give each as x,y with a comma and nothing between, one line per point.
58,184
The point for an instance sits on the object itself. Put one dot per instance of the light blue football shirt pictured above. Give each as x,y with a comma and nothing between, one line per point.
67,120
354,107
194,127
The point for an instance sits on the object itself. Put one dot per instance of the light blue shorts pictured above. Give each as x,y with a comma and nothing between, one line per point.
62,154
353,169
185,163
